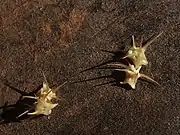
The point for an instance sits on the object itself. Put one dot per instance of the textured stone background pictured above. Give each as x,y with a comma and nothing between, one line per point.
64,38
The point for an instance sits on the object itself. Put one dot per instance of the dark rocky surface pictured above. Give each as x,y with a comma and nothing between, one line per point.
64,38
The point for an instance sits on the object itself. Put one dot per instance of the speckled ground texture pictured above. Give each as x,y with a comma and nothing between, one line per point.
63,38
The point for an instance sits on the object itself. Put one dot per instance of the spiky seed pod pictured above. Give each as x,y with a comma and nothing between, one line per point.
137,54
43,106
132,74
44,98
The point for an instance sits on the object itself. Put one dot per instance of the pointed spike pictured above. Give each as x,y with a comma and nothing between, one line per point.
29,97
122,83
125,57
56,89
134,44
125,70
118,65
53,105
33,113
23,114
128,56
149,79
133,86
45,80
139,68
151,40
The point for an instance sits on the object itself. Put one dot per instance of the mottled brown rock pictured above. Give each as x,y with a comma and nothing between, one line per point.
63,38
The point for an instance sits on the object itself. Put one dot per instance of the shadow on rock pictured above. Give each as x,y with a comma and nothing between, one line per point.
10,113
117,76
